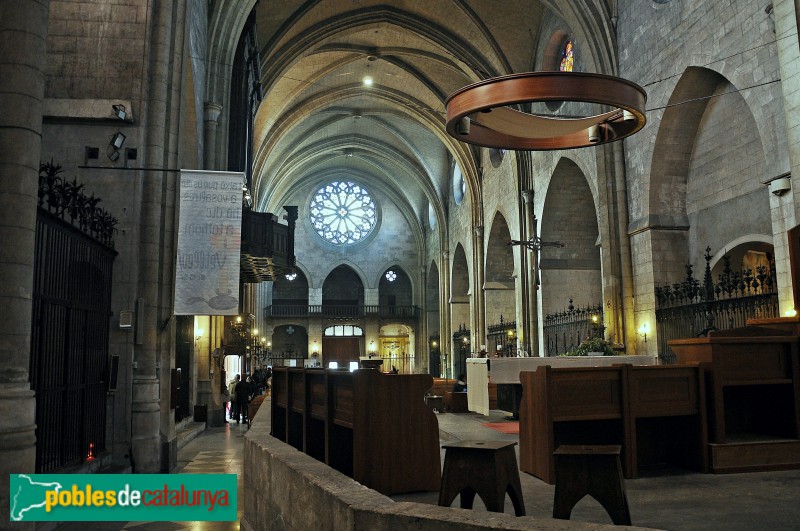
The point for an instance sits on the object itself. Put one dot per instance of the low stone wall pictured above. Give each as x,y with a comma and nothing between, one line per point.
287,490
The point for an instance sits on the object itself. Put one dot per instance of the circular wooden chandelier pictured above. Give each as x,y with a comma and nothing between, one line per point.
478,113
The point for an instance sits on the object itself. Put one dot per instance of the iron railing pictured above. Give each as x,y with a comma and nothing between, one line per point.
691,308
342,311
502,338
565,330
66,201
461,350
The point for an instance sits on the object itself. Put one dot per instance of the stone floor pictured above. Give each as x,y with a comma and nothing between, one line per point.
663,499
670,499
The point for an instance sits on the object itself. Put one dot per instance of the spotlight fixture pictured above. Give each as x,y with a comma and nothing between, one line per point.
594,134
367,81
463,126
117,140
113,154
119,111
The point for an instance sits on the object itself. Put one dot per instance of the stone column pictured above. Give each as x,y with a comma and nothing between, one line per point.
533,289
785,216
445,315
623,303
212,111
148,356
422,347
479,328
22,81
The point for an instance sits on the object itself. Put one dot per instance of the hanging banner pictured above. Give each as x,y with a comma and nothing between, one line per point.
209,243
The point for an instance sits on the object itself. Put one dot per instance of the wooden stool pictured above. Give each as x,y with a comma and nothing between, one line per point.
592,470
486,468
456,402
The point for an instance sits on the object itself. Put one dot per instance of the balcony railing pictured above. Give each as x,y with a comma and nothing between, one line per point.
342,311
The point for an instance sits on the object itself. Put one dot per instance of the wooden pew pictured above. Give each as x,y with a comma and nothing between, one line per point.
573,406
753,389
371,426
666,420
656,414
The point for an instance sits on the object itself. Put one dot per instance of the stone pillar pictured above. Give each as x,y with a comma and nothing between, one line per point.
212,111
785,215
533,289
422,347
445,315
371,296
314,296
22,80
623,303
148,356
479,327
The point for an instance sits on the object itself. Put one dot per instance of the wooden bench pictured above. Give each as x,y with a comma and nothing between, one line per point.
371,426
656,414
575,405
753,390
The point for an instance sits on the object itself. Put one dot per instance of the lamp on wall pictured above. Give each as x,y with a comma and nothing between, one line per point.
644,330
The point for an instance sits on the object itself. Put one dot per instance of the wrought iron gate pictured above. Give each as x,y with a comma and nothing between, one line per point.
69,332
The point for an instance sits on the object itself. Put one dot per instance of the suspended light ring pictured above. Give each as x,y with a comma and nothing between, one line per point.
470,111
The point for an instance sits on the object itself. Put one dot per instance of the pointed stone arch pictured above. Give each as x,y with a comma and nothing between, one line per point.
459,289
499,273
432,299
569,216
343,287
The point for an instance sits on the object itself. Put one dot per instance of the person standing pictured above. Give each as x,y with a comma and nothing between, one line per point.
242,399
234,413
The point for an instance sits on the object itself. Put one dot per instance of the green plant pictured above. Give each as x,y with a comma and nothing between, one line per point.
592,344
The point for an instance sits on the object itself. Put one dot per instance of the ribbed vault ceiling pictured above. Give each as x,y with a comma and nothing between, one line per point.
318,118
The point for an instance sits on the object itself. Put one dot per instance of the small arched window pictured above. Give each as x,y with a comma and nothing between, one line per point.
567,57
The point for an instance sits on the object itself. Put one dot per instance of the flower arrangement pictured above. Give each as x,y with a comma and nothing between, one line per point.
592,344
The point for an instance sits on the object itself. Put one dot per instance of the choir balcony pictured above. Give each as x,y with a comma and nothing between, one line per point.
267,245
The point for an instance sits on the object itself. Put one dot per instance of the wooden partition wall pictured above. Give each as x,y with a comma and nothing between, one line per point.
371,426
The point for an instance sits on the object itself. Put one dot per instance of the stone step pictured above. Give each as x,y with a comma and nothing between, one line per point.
189,431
